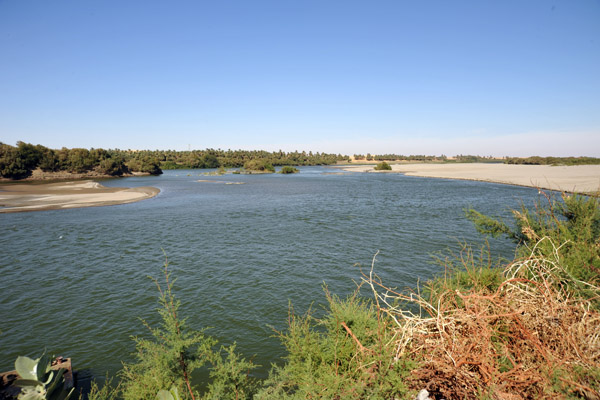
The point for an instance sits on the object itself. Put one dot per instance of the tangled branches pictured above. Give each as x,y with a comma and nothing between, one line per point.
531,337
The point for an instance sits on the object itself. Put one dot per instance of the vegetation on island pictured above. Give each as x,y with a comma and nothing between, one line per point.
259,165
383,166
524,329
289,170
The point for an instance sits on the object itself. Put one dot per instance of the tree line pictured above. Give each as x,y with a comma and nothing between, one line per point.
18,162
536,160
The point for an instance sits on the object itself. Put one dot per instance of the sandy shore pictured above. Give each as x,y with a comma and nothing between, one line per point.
577,179
52,196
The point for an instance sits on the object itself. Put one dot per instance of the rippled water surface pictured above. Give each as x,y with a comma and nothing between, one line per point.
75,281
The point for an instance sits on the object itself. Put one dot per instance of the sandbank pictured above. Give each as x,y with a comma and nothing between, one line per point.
52,196
574,179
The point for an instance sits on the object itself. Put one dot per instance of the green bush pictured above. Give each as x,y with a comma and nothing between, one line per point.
145,164
175,352
572,223
111,166
348,354
383,166
289,170
259,165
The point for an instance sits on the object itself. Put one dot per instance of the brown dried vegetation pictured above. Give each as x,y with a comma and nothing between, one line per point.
530,338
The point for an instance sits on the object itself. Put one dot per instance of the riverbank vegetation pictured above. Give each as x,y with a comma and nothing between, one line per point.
553,160
24,160
526,329
19,162
461,158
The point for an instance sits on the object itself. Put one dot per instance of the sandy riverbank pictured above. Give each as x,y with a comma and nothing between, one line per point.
52,196
579,178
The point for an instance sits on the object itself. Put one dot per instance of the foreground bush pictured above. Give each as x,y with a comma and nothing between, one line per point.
171,357
571,222
348,354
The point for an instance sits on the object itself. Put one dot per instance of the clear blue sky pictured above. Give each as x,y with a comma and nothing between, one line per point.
481,77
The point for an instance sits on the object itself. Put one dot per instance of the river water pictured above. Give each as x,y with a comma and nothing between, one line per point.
75,282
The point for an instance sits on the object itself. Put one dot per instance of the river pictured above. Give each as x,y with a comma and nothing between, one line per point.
75,282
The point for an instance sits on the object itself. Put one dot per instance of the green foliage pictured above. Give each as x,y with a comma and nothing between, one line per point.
464,271
347,354
48,160
107,392
383,166
230,376
170,357
38,381
175,351
11,165
146,164
112,166
18,162
289,170
536,160
571,222
259,166
210,161
80,160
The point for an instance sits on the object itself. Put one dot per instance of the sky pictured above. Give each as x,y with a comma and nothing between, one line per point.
499,78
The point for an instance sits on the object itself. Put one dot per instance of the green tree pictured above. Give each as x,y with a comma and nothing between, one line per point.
18,162
80,160
210,161
112,166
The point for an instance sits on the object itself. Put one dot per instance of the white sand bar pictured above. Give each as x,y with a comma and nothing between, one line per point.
576,179
51,196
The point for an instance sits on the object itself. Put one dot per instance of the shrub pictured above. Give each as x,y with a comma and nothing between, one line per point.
348,354
383,166
261,165
572,223
289,170
173,354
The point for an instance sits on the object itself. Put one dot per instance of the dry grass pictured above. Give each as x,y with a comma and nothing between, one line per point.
529,339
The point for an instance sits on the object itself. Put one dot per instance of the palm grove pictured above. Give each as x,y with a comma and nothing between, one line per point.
18,162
